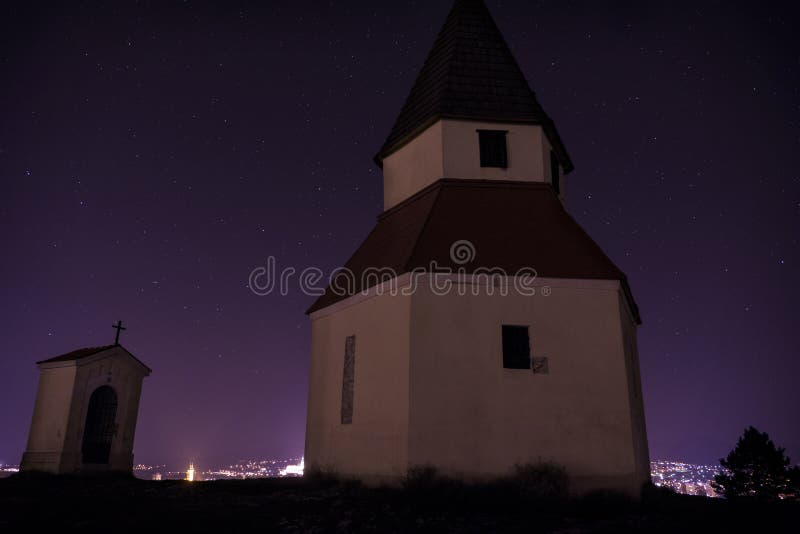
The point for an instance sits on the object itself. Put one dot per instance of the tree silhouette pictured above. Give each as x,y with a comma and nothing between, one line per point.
756,468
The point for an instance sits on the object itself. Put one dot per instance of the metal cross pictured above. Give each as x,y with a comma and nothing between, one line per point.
119,327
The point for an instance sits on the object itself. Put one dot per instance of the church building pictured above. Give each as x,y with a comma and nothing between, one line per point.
475,380
85,413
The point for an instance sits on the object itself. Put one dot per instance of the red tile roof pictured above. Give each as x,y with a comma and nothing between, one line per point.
512,225
78,354
90,351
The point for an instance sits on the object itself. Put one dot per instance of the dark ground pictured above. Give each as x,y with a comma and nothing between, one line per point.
324,505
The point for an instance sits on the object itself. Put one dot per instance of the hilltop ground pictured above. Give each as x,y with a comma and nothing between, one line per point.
34,503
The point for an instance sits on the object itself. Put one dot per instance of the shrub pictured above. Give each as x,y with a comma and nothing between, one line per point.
755,468
544,480
426,482
421,477
321,477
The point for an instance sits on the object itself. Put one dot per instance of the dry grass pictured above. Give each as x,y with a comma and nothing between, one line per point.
531,500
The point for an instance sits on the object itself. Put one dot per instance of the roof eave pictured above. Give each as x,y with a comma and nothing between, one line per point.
89,358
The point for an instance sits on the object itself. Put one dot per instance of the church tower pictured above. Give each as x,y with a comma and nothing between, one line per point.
478,326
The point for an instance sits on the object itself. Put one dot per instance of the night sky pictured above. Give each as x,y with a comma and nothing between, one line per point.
152,156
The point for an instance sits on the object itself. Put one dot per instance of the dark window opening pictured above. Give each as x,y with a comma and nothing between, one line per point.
555,177
493,148
348,379
98,432
516,347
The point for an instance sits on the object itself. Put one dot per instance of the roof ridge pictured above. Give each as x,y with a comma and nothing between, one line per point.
448,66
86,352
426,69
591,240
423,227
461,182
416,197
623,276
75,354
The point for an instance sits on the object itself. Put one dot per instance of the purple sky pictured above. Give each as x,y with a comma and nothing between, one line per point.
151,158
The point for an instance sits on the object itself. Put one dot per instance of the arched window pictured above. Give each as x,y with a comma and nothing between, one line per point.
100,422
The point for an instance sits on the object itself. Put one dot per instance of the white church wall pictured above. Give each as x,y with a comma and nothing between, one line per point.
449,149
413,166
374,445
546,149
454,406
471,417
49,422
526,161
635,395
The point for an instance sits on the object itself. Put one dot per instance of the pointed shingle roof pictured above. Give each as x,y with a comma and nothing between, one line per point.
470,74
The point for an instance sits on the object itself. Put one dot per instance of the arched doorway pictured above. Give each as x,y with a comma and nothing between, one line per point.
99,430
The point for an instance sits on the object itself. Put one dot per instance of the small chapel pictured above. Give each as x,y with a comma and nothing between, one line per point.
85,413
474,382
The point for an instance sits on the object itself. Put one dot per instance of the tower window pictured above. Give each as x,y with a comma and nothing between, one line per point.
516,347
348,379
493,148
555,176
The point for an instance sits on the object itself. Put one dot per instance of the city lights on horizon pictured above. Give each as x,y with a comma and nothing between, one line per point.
686,478
681,477
264,468
294,470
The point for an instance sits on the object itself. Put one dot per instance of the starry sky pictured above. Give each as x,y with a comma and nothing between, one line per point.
152,155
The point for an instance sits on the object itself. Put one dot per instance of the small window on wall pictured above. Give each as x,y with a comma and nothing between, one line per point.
348,379
555,176
516,347
493,148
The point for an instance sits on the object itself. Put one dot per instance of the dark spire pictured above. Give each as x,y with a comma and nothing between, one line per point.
470,74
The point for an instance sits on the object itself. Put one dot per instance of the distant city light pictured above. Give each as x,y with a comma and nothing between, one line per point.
7,470
294,470
681,477
261,468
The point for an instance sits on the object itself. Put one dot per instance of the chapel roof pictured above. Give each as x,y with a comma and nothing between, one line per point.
511,225
86,352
